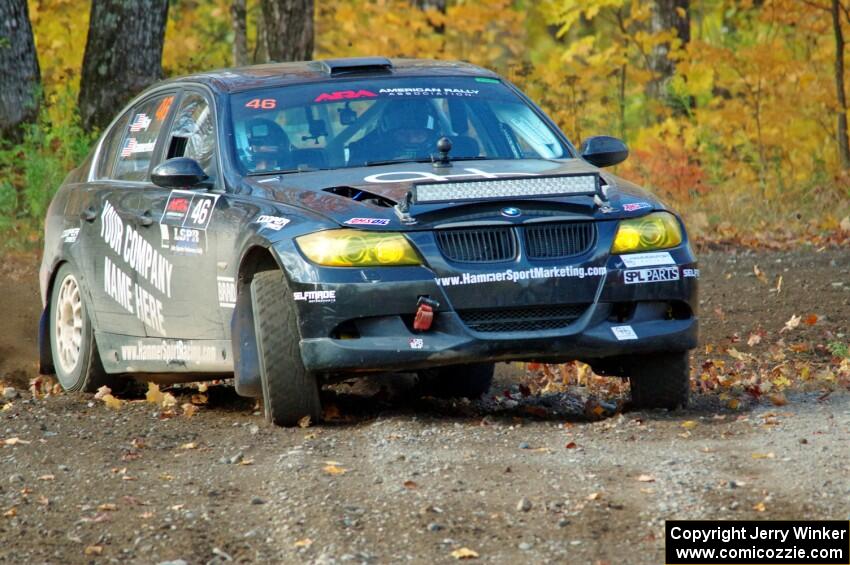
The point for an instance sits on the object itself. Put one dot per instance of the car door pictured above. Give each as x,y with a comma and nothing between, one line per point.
181,226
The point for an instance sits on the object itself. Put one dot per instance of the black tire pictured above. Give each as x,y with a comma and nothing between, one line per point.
660,380
87,374
290,392
457,381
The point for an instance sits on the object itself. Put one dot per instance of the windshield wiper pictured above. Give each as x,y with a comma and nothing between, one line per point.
424,160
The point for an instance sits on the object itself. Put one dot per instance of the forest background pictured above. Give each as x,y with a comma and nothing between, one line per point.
735,110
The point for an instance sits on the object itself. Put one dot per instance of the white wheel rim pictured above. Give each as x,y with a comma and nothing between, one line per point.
69,324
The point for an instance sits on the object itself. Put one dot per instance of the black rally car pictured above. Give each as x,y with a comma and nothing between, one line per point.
295,224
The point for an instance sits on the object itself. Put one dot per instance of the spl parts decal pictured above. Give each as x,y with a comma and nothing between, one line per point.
424,176
647,259
187,209
623,332
70,235
636,206
509,275
367,222
272,222
416,343
315,296
661,274
226,292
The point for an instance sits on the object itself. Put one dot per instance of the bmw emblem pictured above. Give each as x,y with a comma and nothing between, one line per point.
511,212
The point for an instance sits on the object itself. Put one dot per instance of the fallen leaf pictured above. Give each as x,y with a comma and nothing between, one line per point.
410,484
759,274
146,515
330,411
101,392
138,443
247,462
572,445
200,399
190,445
11,512
792,323
305,422
778,399
754,339
778,287
689,424
334,470
112,402
154,396
594,496
93,550
107,507
735,354
168,400
646,479
46,478
189,409
464,553
306,542
760,507
733,404
811,319
647,491
16,441
43,500
764,455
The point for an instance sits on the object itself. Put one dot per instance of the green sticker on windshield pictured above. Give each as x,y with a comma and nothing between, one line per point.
487,80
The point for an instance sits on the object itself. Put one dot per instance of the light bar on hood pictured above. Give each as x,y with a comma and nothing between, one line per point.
524,187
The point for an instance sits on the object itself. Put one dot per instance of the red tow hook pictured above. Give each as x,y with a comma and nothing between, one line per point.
424,314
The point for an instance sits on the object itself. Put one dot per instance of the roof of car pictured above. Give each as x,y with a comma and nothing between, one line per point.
280,74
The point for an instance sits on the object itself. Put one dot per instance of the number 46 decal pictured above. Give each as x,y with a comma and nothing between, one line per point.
262,103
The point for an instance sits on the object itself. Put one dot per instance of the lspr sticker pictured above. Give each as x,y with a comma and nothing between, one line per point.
623,332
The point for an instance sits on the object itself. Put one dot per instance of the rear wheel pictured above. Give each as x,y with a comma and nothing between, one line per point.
290,392
661,380
72,344
469,381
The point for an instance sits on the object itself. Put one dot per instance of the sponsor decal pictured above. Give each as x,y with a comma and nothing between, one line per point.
168,351
184,241
647,259
636,206
607,209
226,292
187,209
433,91
164,106
344,95
416,343
140,256
509,275
272,222
132,146
140,122
315,296
623,332
367,221
70,235
425,176
690,273
661,274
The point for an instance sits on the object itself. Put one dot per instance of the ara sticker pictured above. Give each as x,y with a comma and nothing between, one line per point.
416,343
367,222
140,123
647,259
636,206
70,235
661,274
623,332
344,95
272,222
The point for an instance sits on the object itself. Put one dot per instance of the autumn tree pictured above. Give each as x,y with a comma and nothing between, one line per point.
20,76
123,56
238,17
667,15
288,29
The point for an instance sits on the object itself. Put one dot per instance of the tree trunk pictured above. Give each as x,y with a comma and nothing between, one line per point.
438,5
289,29
843,146
666,15
20,76
123,56
238,16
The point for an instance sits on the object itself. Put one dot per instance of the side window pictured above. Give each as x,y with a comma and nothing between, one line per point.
109,148
193,132
139,141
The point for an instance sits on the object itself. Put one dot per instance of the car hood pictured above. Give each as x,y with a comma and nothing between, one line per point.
367,196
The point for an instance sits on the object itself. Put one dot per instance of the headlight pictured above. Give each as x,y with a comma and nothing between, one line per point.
356,248
658,230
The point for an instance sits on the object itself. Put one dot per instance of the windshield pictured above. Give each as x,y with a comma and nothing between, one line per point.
331,125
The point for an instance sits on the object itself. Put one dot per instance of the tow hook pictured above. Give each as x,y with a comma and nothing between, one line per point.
424,313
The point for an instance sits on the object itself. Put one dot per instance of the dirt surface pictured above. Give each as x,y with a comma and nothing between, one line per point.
396,479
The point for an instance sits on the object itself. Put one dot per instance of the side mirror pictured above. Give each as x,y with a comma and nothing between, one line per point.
604,150
180,172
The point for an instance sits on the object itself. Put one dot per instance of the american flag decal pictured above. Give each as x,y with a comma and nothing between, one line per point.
140,123
129,145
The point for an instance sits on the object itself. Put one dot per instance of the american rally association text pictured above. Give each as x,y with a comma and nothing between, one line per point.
726,534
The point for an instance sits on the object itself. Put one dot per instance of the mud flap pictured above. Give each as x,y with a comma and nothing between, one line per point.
246,362
45,355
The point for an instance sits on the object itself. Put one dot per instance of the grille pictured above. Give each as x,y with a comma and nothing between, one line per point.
527,319
556,241
477,245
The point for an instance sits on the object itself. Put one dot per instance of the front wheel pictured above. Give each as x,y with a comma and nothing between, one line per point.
72,344
469,381
660,380
290,392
